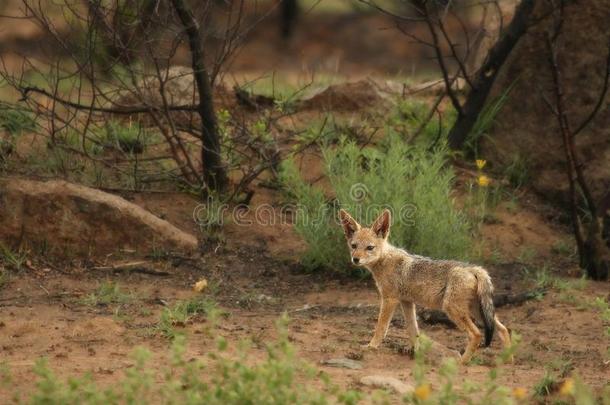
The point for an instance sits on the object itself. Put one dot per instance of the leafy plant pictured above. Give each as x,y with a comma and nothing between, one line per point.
14,260
411,114
15,120
484,121
517,171
126,138
230,375
220,377
182,312
4,277
108,293
413,182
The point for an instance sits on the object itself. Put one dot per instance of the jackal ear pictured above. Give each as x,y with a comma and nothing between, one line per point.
350,226
381,226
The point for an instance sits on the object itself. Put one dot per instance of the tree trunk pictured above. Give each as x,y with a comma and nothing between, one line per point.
593,258
486,76
214,174
290,13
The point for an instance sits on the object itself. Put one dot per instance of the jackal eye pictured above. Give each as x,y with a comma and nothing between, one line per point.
370,247
354,246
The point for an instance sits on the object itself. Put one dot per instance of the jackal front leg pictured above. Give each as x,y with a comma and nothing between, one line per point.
386,311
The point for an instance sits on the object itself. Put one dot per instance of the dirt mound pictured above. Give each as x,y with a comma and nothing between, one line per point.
360,95
527,128
67,219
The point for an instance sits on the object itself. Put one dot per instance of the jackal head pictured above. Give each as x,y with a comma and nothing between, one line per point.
366,245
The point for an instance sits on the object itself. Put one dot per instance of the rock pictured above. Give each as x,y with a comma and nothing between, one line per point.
343,363
68,220
438,353
385,382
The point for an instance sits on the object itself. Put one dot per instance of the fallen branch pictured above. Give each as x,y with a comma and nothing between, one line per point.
132,267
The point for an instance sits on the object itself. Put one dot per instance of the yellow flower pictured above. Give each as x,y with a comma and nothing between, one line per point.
481,163
422,392
567,388
483,180
200,285
520,393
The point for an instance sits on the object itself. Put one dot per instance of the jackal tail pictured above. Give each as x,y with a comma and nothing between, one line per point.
485,291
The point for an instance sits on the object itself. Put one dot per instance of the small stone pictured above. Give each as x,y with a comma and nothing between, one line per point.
385,382
343,363
200,285
438,353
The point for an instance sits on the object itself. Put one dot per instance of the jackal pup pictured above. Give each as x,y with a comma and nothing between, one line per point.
463,291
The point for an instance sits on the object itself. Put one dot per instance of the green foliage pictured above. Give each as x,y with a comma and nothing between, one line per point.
453,388
230,375
314,222
127,138
546,386
14,260
182,312
410,114
554,373
517,171
410,180
484,122
103,155
108,293
4,277
15,120
220,377
564,247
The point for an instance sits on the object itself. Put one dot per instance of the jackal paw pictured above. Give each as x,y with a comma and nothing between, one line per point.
370,346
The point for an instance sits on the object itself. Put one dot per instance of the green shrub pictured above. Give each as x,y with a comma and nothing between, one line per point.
182,312
108,293
14,120
410,114
226,375
12,259
126,138
485,121
217,378
413,182
517,171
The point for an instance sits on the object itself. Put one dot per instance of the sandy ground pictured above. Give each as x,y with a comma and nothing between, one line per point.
42,314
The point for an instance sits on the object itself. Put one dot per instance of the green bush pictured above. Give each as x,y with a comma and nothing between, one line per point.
409,116
14,120
226,375
182,312
413,182
217,378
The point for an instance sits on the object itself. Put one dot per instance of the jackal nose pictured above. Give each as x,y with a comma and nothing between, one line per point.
355,260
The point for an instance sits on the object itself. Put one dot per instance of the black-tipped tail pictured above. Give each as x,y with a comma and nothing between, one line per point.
485,293
489,328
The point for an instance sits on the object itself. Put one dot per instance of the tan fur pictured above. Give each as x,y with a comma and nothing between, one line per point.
463,291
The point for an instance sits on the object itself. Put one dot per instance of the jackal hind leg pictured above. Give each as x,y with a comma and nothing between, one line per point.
504,336
463,321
